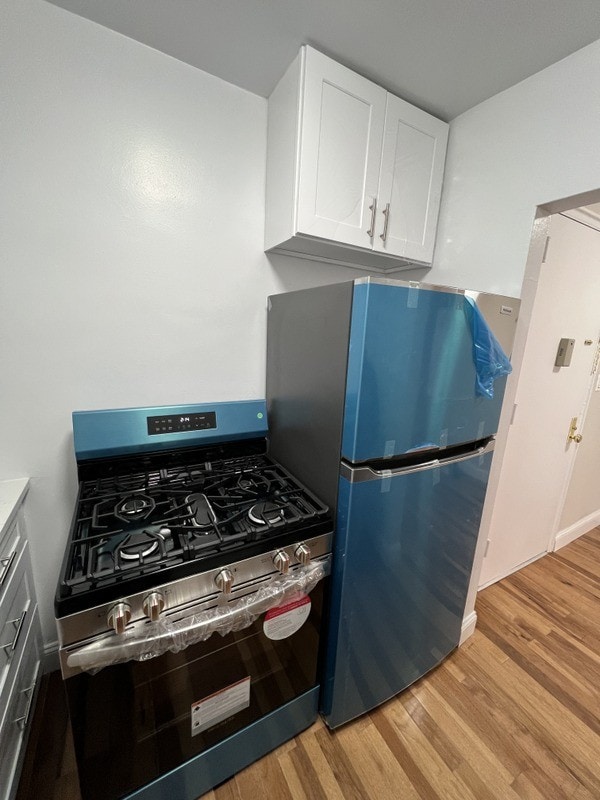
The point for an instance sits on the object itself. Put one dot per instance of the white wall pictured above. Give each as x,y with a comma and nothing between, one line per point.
131,229
530,145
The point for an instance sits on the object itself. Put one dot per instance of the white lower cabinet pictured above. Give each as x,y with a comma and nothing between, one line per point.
20,639
354,174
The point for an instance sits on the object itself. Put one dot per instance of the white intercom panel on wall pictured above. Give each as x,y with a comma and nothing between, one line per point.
564,352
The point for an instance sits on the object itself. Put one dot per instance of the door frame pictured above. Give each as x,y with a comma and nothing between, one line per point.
580,215
590,220
533,267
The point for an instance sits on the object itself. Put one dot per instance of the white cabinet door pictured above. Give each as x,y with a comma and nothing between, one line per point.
410,183
340,146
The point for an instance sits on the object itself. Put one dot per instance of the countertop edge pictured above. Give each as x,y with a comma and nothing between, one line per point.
12,494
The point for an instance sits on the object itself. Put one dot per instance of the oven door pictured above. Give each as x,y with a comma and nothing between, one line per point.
135,721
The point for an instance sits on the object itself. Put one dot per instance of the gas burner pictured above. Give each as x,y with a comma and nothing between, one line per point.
203,515
253,483
134,507
141,544
265,513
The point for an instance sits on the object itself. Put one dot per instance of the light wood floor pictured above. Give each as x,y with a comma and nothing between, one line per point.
515,713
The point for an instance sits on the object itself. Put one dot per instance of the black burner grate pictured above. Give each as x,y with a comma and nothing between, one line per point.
142,522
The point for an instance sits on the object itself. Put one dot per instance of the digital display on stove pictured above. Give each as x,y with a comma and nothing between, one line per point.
181,423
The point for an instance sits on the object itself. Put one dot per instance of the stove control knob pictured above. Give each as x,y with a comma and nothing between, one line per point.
303,554
282,561
224,580
119,616
153,605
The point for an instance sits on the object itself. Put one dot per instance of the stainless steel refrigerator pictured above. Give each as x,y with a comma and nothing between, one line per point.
384,397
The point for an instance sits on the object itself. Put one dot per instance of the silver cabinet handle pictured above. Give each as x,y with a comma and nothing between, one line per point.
373,210
386,214
24,720
9,649
6,564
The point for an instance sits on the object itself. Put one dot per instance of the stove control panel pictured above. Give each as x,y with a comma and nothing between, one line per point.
234,580
181,423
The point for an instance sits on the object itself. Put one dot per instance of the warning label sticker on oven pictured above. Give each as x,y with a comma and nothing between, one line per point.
220,705
281,622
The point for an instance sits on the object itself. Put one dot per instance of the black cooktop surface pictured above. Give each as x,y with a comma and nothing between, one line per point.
142,522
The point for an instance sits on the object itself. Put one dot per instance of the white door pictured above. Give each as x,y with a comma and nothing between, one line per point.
581,508
539,455
340,151
410,182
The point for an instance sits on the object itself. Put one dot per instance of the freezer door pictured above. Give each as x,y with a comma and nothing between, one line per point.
402,564
411,374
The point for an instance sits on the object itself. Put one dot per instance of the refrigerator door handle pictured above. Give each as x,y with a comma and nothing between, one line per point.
359,474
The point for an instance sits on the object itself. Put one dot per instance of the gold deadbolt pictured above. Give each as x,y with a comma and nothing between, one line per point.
574,437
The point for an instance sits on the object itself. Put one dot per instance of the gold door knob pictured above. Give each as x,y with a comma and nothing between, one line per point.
574,437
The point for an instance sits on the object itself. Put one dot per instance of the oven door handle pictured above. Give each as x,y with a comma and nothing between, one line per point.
167,635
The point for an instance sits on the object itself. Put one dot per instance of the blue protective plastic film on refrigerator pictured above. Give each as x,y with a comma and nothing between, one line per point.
491,362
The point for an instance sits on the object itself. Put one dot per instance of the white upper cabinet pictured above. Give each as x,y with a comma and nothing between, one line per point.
410,181
354,174
340,149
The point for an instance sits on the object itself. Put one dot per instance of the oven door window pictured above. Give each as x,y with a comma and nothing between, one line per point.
133,722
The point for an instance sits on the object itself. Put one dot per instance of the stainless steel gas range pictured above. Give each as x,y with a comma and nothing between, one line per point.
190,599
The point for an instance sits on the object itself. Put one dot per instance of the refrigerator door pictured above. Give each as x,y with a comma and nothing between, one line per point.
404,551
411,374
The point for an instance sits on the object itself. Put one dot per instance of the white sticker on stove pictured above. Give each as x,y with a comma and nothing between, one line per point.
220,705
281,622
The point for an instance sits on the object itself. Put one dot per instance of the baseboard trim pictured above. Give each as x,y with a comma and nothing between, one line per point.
576,530
510,571
469,624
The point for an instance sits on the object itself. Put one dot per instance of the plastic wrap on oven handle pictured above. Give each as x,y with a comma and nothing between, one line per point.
166,635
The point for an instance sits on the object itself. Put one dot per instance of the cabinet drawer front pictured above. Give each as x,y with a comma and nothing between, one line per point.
340,147
9,555
15,613
14,726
